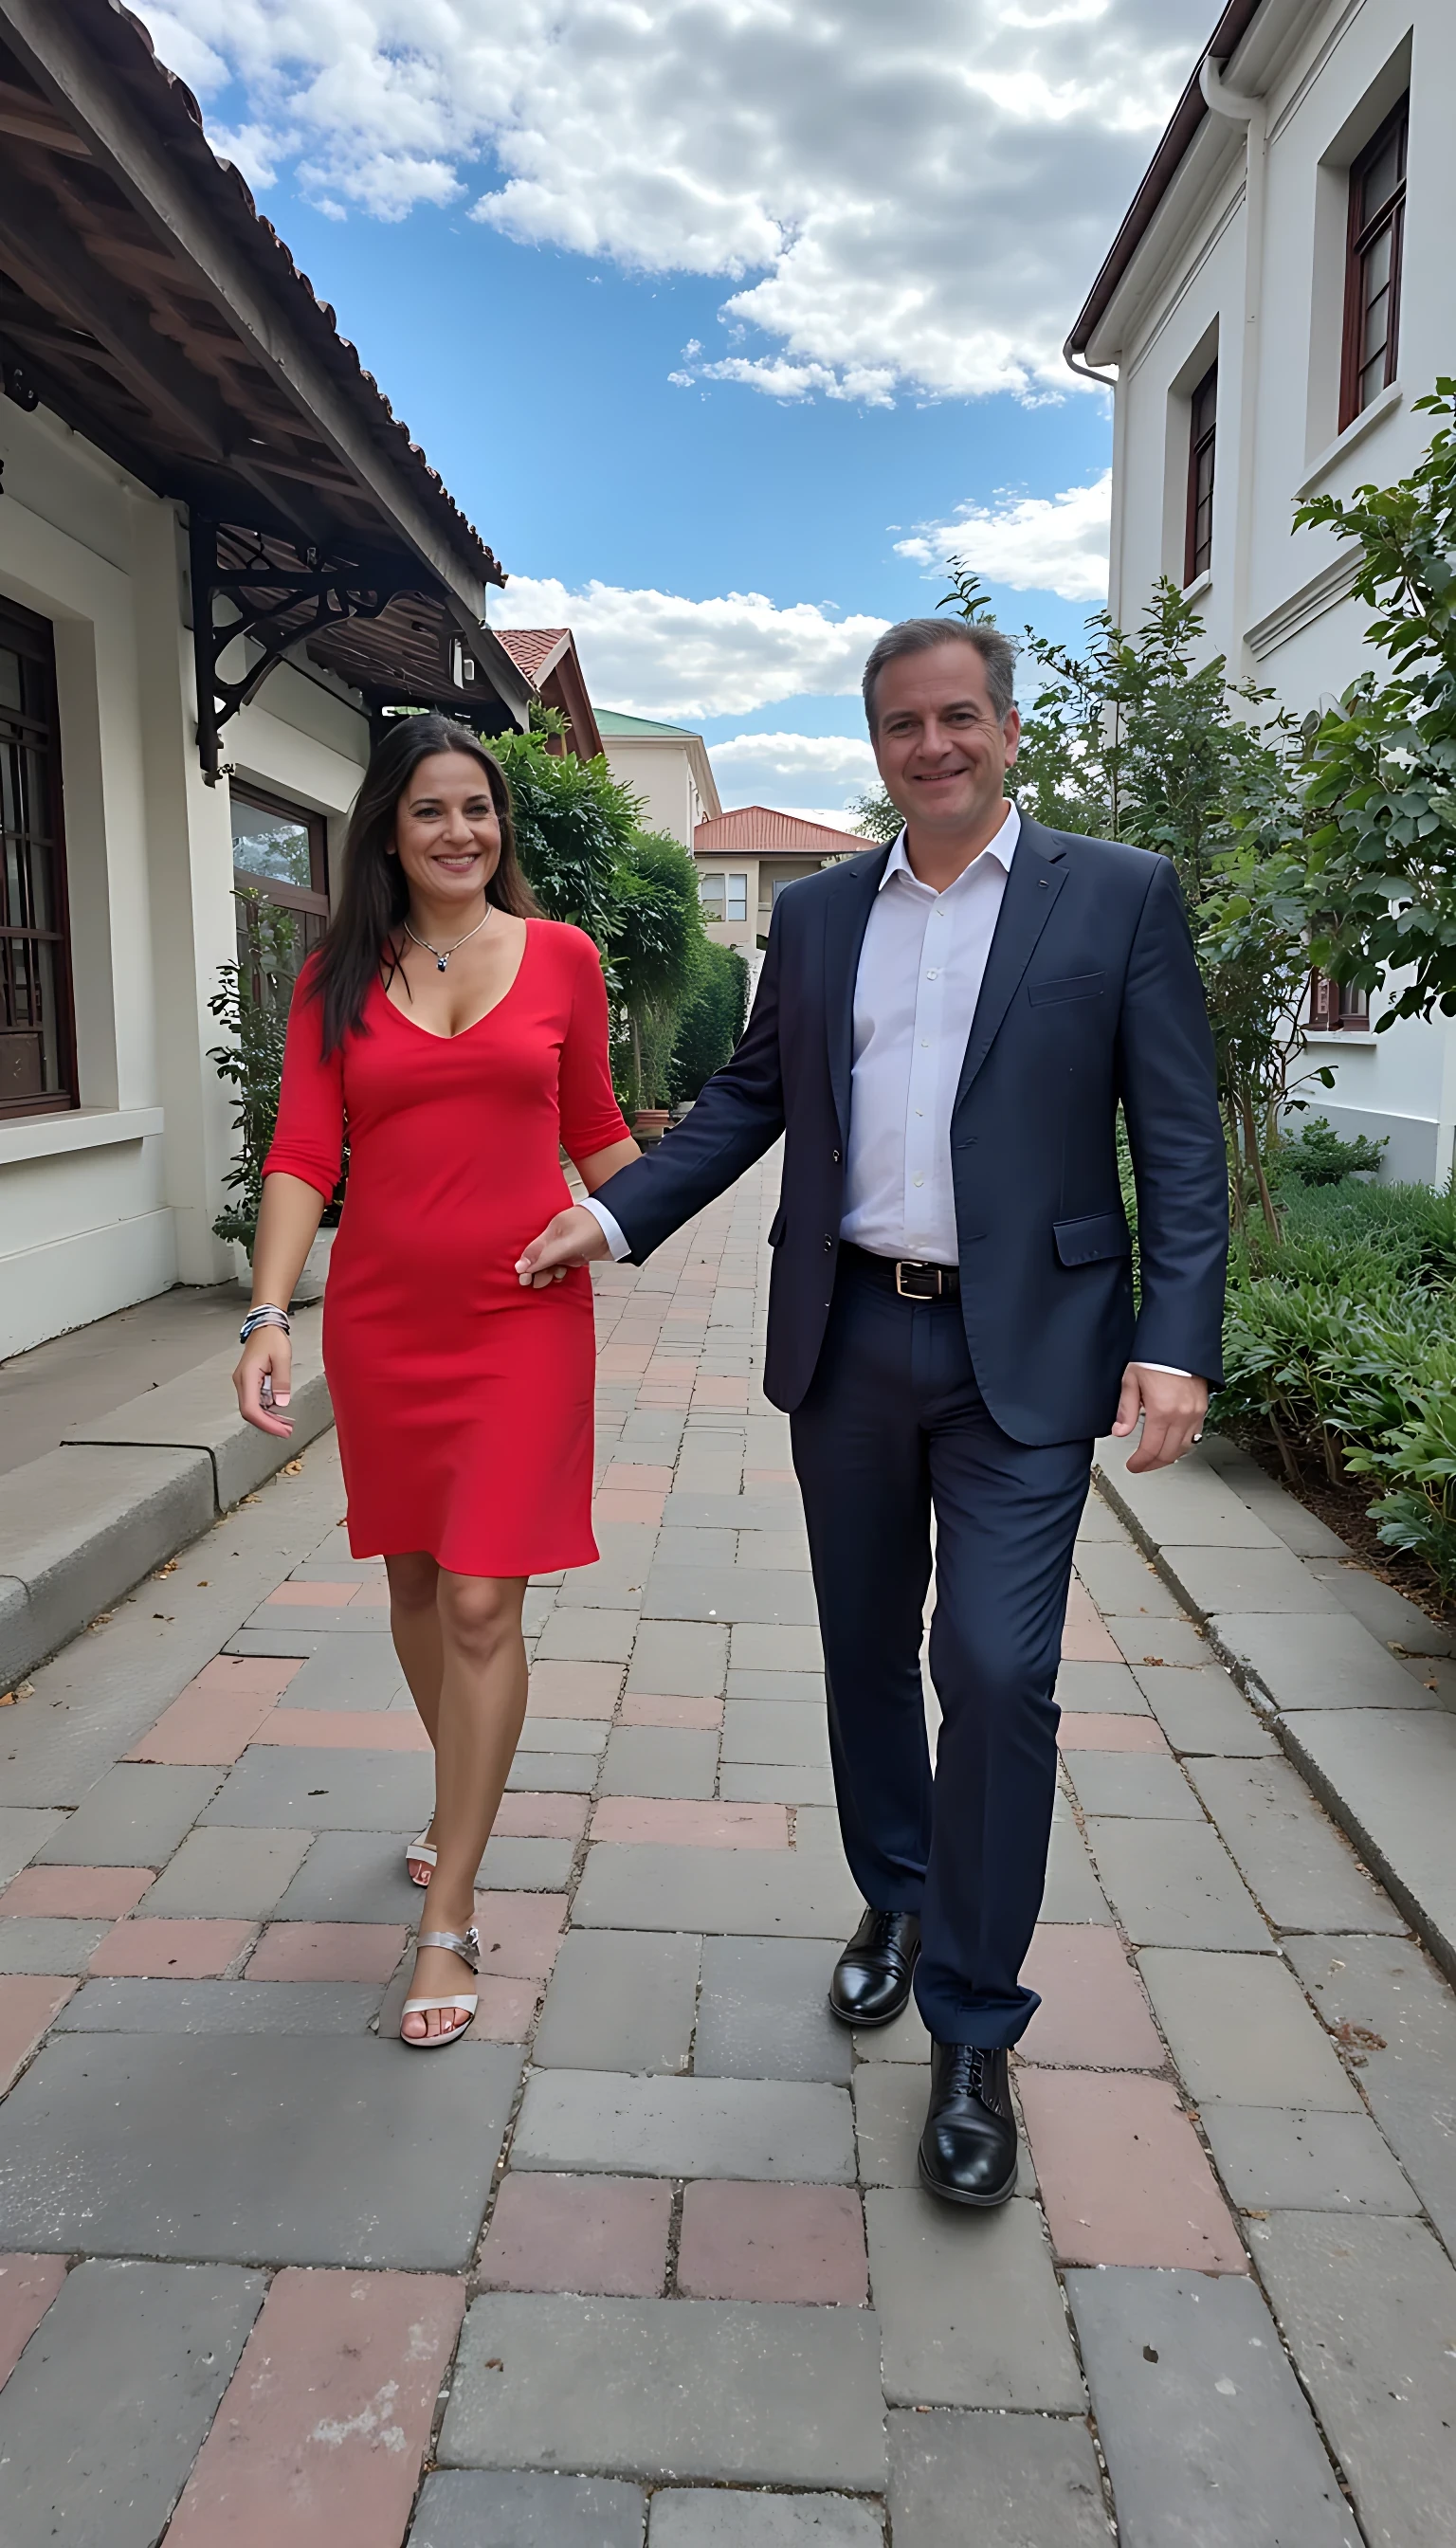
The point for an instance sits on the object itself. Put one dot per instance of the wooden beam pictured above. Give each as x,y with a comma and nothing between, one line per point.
54,53
30,119
51,262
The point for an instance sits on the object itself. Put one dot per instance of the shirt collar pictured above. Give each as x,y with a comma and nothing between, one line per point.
1001,851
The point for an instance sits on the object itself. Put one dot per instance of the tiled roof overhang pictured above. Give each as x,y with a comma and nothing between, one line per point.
145,299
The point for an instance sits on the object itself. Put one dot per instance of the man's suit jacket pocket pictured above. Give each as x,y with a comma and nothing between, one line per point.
1072,986
777,1225
1092,1237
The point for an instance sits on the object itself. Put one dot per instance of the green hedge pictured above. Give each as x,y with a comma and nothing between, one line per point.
1338,1340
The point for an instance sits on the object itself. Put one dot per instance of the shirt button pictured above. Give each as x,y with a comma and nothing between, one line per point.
925,1044
933,976
920,1182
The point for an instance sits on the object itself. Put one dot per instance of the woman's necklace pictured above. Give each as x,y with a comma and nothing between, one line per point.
443,954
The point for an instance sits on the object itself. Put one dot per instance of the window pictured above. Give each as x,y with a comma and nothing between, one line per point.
280,854
738,897
1198,542
710,887
1373,267
38,1070
1337,1006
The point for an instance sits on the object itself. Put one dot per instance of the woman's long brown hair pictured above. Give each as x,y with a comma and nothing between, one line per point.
375,895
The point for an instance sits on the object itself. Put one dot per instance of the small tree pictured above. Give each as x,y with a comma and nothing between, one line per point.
1382,767
655,954
573,825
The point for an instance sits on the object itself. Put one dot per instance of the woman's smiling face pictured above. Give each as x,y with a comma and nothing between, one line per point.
447,835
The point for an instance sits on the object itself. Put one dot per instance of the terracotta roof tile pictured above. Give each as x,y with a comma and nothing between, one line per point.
760,827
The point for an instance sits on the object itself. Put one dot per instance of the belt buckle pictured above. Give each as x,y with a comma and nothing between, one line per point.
915,1266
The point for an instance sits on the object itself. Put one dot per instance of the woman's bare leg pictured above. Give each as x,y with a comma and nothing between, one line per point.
415,1624
483,1703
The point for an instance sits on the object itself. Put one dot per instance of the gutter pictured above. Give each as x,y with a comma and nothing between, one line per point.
1187,118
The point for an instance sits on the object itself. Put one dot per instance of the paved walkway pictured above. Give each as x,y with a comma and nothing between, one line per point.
251,2299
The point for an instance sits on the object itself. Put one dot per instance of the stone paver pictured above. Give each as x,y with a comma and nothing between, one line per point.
104,2414
773,2242
1206,2433
1237,2084
479,2509
714,2390
328,2418
1363,2303
579,2234
1000,2481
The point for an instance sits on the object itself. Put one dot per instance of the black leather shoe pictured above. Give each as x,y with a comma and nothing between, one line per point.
871,1981
968,2149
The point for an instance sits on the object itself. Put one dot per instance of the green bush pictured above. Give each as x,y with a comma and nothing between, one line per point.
1337,1343
710,1023
1321,1159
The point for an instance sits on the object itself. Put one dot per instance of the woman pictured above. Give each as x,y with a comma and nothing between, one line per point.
461,1041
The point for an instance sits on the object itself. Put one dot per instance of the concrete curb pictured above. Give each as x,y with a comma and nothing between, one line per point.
79,1528
1336,1662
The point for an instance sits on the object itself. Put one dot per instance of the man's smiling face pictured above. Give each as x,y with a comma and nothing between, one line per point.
942,750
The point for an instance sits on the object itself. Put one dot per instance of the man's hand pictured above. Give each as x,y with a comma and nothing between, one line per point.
1172,1407
574,1238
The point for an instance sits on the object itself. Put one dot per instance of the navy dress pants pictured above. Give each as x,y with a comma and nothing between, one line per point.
894,1428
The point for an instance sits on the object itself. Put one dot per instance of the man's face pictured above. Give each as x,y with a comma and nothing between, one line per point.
942,751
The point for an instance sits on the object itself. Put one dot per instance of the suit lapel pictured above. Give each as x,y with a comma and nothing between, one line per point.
1038,874
847,910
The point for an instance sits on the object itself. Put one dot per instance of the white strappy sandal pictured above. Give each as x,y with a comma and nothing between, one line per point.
419,1851
468,1949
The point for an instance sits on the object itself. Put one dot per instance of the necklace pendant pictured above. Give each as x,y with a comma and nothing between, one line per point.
440,963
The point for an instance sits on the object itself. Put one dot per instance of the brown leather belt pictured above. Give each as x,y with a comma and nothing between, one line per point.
908,1276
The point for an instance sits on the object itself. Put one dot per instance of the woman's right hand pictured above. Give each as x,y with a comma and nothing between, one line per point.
264,1380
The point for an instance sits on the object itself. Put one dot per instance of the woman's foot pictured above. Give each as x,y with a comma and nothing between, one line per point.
421,1869
445,1980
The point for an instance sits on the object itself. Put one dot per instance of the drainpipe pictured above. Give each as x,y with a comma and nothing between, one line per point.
1254,114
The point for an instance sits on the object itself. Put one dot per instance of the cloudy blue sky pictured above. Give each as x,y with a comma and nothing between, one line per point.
726,321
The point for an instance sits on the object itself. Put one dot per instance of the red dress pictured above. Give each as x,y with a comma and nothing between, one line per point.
464,1403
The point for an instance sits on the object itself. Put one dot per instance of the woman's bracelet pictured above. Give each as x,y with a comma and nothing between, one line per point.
266,1314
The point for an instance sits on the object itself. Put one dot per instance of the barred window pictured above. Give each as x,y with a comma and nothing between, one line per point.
37,1061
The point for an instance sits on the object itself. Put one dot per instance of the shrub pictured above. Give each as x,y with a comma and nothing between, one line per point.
1321,1159
711,1023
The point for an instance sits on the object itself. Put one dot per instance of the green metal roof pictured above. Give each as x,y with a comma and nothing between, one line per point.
614,726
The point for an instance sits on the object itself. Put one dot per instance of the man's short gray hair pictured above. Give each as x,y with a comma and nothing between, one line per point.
917,636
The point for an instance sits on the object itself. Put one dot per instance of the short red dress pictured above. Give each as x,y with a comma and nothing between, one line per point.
464,1405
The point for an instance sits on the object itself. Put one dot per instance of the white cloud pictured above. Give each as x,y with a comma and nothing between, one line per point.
1034,543
840,760
918,196
659,655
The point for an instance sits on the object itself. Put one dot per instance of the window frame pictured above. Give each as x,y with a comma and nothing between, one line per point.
1193,549
1361,236
713,876
272,889
37,641
734,919
1336,1008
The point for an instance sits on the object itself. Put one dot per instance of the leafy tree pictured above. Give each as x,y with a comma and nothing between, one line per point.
877,819
573,825
655,954
1382,767
710,1023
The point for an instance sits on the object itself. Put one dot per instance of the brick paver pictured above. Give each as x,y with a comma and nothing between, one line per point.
709,2307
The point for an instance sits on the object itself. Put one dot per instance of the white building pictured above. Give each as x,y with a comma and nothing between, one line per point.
1279,295
187,447
744,861
666,766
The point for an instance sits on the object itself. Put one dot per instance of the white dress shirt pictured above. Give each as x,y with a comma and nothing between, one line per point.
921,969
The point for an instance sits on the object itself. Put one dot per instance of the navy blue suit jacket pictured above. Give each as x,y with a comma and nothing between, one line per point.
1091,995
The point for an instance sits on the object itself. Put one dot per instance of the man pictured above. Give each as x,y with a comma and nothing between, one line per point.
943,1030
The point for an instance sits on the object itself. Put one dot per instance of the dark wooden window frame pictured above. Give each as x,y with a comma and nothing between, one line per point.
1337,1007
33,637
1361,236
272,889
1203,436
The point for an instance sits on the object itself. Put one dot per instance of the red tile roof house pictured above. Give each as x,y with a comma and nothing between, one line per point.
746,859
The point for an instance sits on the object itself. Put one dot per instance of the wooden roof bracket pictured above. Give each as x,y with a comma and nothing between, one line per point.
267,593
